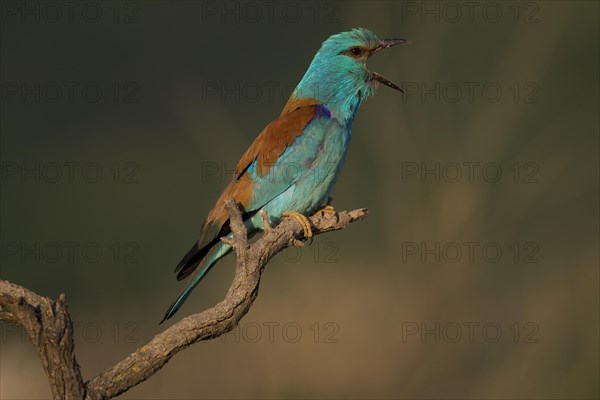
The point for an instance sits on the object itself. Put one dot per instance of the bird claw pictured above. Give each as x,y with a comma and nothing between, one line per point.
304,222
297,243
328,209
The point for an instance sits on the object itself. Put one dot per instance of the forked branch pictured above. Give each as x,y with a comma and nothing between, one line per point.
50,328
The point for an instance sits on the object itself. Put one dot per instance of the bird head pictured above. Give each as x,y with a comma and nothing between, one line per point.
338,76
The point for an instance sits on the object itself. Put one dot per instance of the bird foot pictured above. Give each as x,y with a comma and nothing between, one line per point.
328,209
304,222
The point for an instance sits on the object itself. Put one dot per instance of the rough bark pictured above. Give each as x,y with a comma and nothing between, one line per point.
50,328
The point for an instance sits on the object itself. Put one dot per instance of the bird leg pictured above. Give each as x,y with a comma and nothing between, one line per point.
304,222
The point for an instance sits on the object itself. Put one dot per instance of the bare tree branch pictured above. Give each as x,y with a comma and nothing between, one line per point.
49,325
50,329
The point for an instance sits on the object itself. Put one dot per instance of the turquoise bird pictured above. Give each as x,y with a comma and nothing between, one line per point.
290,168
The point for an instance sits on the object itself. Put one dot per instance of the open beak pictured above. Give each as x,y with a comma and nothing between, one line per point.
384,44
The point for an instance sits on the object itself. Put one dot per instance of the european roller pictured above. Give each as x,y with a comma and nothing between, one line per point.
290,168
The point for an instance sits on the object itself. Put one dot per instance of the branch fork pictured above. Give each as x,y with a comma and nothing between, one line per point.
50,328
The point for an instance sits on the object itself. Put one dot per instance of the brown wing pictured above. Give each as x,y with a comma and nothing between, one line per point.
277,136
265,149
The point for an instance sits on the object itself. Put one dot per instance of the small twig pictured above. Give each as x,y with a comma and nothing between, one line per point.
239,238
265,220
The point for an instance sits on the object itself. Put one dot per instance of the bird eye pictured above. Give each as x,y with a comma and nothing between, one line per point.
356,51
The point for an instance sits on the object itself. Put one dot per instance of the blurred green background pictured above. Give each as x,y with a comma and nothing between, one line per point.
161,98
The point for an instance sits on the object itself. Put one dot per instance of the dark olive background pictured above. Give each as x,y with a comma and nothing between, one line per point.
342,308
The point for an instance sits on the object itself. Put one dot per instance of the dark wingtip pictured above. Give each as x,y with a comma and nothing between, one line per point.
188,256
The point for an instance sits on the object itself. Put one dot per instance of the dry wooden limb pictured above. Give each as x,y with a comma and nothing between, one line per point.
50,328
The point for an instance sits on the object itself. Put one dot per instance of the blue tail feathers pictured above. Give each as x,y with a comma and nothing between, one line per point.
216,253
